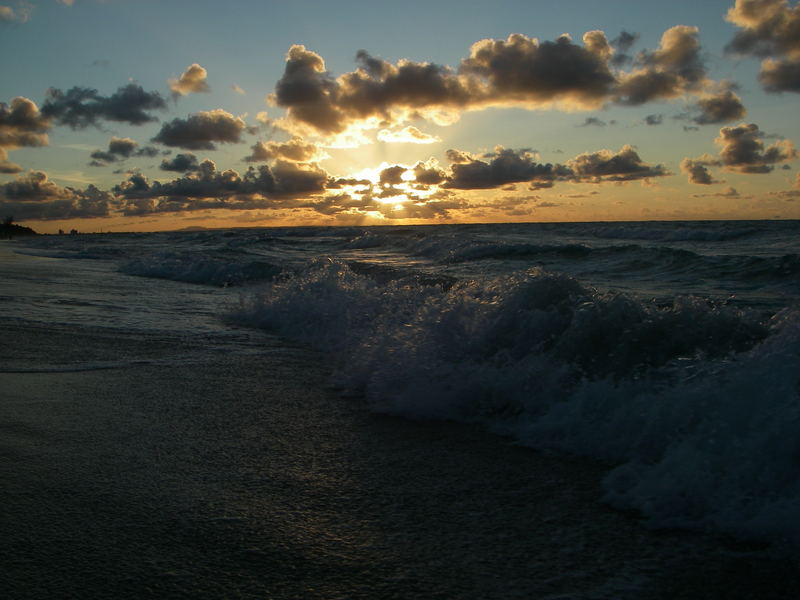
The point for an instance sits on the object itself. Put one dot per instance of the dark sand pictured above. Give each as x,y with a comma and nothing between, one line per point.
184,472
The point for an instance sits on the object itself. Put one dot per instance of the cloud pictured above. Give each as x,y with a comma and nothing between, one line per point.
505,166
313,98
721,107
79,108
429,173
502,167
294,150
207,188
191,81
769,27
181,163
518,71
674,69
238,89
729,192
697,169
120,149
34,196
392,175
790,195
409,135
522,70
593,122
21,124
19,15
7,167
780,75
743,151
606,165
623,42
653,119
769,30
201,130
308,92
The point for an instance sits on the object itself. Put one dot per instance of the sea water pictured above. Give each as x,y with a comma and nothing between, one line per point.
668,350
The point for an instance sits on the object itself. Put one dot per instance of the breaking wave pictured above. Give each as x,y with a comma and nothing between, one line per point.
694,404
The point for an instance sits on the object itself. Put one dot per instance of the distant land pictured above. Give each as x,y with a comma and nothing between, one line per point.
9,230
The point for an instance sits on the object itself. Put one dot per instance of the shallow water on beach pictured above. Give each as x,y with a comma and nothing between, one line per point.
188,472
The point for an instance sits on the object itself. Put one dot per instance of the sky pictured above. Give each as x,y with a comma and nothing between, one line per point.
123,115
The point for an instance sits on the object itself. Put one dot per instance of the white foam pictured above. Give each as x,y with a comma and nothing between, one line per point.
697,414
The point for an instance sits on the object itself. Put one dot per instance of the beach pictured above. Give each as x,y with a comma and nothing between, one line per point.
166,434
238,474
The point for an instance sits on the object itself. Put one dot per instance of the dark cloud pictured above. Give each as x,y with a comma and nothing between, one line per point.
79,108
34,196
21,124
459,156
722,107
7,167
193,80
296,179
506,166
729,192
336,184
120,149
697,169
606,165
201,130
429,173
392,175
522,70
592,121
743,150
770,29
653,119
206,188
623,42
295,150
674,69
309,92
515,71
181,163
316,99
502,167
780,75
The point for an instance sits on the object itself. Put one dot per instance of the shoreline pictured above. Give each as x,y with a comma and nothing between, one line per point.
235,472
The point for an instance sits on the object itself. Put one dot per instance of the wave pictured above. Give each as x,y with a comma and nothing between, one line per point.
674,232
658,261
695,404
87,253
194,268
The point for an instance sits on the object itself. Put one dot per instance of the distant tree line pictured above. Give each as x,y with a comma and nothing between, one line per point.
9,229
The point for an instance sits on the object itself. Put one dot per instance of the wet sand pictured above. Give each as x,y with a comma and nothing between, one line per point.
204,468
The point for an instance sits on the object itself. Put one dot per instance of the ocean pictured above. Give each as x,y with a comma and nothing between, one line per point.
665,353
